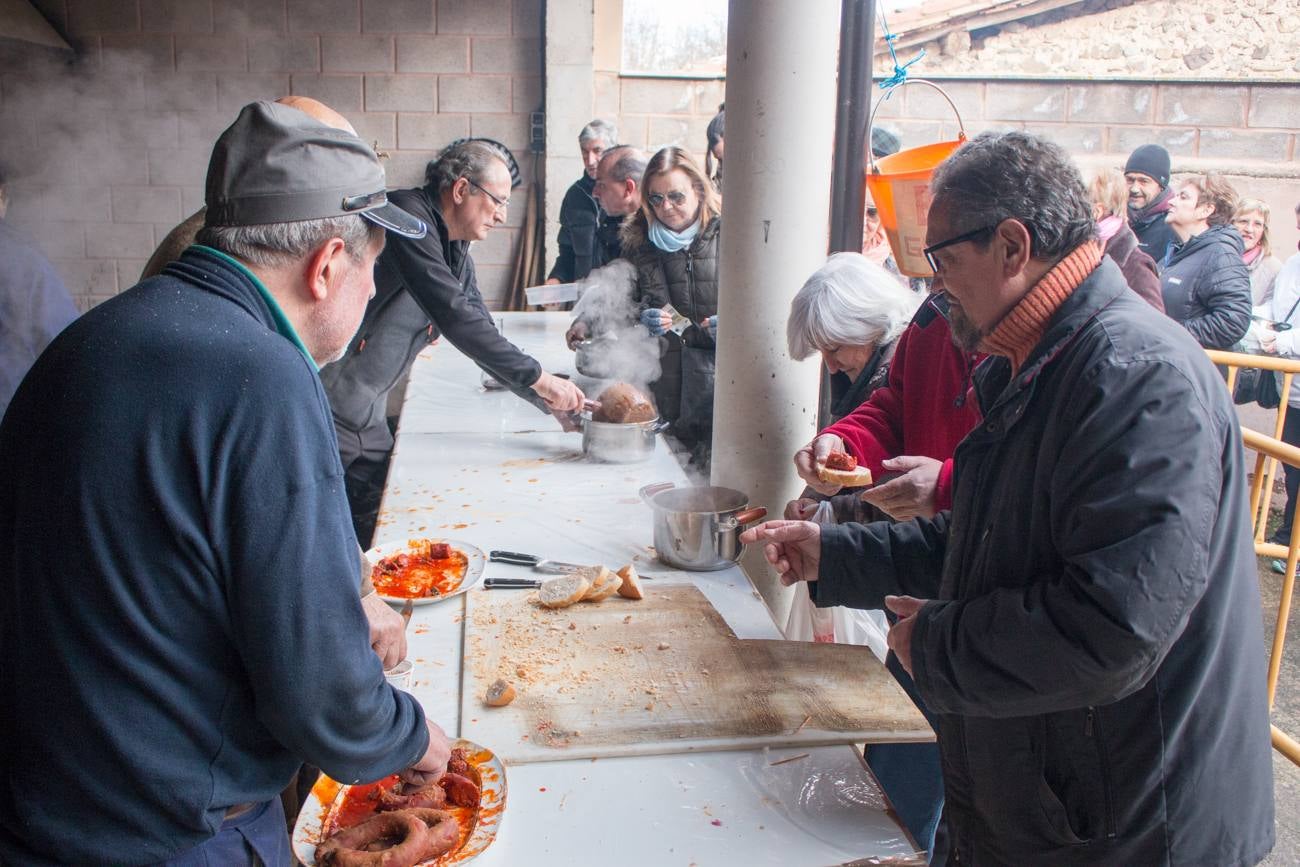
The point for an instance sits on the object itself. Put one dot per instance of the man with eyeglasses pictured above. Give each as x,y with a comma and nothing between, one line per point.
424,289
588,235
1084,623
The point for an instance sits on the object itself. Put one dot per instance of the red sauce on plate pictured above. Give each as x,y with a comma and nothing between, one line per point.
428,569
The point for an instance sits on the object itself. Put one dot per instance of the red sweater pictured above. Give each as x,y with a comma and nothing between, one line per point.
938,411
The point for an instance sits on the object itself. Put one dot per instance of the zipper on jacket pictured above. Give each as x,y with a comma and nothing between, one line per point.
1092,730
690,281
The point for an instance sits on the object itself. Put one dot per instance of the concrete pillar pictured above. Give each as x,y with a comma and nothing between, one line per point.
781,72
570,92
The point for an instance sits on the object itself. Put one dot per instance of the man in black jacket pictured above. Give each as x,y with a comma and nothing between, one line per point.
425,288
1087,625
588,235
1147,175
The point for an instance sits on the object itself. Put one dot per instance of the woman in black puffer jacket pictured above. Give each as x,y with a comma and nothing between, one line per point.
1205,284
673,243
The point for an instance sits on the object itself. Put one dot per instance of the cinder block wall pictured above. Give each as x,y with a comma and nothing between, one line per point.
109,152
656,112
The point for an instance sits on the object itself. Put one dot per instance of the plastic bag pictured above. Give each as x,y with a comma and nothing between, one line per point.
836,624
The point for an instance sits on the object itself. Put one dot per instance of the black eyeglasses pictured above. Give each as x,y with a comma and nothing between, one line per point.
929,252
501,204
677,197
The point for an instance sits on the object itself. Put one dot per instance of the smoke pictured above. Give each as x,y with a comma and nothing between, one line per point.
620,348
107,147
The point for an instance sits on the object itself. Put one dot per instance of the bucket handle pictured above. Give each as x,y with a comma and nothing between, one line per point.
871,120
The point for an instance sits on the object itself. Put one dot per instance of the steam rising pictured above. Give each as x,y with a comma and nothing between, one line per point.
621,348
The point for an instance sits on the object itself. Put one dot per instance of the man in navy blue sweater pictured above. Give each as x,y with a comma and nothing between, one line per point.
179,617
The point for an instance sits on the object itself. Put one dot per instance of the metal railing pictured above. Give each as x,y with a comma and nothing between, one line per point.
1269,452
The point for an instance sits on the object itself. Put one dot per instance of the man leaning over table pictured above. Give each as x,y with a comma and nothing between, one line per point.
178,609
1087,629
426,288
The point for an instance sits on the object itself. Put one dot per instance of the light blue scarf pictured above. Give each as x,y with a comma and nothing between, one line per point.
669,241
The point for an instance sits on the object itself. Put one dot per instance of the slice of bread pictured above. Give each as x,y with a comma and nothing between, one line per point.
631,586
597,575
855,478
607,588
499,694
565,590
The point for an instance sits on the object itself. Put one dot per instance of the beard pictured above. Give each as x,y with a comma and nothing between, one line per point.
965,333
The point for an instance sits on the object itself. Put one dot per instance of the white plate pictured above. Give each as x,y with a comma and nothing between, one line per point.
327,795
473,570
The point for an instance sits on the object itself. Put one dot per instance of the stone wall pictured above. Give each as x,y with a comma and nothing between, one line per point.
110,151
1247,132
1157,39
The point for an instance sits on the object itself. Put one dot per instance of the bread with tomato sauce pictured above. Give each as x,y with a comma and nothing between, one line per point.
841,468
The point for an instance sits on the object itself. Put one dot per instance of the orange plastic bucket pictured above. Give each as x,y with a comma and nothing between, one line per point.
899,185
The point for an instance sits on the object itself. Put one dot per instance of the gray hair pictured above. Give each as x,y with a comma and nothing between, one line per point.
1015,175
598,130
626,162
274,245
849,301
463,159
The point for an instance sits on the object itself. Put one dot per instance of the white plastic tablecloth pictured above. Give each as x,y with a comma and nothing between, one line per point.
487,468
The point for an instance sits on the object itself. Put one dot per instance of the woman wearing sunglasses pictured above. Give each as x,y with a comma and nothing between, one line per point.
673,243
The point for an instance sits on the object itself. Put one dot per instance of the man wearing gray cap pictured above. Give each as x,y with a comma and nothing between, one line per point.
178,609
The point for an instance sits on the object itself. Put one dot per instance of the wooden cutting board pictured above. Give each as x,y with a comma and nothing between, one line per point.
663,675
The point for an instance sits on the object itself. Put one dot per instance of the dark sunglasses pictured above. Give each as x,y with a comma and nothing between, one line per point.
656,200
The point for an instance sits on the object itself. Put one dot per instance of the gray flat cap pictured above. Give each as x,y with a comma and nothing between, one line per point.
275,164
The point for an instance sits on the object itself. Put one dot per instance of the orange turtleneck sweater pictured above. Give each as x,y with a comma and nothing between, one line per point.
1022,328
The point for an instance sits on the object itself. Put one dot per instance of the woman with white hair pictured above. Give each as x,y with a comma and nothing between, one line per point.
852,312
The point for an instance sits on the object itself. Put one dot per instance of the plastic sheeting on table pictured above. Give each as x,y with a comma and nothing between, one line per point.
462,468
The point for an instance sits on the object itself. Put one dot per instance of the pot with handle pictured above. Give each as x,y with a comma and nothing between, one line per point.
698,528
615,443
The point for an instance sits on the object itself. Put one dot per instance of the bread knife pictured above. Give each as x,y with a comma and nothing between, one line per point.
538,564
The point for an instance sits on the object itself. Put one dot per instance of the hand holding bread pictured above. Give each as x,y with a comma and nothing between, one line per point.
812,456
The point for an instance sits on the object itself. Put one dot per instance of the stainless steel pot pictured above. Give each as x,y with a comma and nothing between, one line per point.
592,357
619,443
698,529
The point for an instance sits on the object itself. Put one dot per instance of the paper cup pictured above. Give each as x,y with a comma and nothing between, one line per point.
400,675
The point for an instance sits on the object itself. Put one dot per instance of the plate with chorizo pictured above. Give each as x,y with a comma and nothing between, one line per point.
422,571
397,824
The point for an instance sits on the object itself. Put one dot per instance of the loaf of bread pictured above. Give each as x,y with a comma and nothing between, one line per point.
565,590
605,585
631,586
623,403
